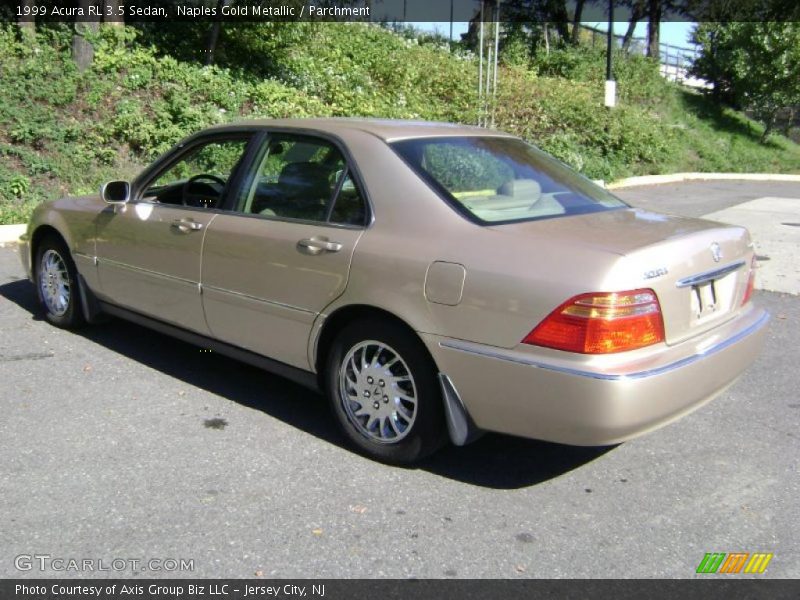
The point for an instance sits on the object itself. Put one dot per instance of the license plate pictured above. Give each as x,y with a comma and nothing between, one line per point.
705,301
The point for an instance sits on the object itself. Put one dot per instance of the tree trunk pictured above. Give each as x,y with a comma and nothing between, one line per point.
114,13
213,35
637,12
769,123
559,11
790,117
653,26
82,50
546,39
27,24
211,45
576,22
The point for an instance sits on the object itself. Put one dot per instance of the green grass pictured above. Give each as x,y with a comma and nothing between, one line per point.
65,132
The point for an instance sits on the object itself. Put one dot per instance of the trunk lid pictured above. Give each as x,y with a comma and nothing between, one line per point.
699,269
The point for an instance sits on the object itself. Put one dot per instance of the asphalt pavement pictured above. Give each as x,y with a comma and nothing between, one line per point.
121,443
699,198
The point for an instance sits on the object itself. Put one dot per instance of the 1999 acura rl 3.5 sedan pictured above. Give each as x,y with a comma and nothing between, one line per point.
434,280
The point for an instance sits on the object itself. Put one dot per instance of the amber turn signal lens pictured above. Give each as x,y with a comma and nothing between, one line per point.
602,323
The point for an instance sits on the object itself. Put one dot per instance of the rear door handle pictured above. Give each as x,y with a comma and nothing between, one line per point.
317,245
186,225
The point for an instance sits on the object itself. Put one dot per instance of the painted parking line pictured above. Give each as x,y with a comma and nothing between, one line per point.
774,225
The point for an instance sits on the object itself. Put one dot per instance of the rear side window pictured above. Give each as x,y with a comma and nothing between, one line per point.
502,180
306,179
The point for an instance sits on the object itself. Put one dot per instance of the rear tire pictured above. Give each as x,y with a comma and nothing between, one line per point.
383,389
57,284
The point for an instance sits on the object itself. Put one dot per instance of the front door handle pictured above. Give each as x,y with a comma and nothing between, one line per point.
317,245
186,225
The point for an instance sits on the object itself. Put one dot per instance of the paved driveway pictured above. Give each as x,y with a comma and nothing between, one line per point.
770,210
121,443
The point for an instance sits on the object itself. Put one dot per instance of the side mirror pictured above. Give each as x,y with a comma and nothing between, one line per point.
116,192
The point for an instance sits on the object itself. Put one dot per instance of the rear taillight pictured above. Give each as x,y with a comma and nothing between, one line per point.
751,282
602,323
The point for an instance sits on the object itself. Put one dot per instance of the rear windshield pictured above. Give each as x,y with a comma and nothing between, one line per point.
502,180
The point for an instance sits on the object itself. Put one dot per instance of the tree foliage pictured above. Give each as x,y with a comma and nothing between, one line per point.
752,65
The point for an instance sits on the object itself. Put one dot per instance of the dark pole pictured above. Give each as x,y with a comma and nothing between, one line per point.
610,39
451,20
611,86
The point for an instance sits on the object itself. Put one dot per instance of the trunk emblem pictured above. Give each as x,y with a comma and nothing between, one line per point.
716,252
655,273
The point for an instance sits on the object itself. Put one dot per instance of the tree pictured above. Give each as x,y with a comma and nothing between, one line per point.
82,50
27,23
213,34
576,22
753,65
637,14
114,14
654,10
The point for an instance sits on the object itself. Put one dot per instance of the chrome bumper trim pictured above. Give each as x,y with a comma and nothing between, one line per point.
499,354
710,275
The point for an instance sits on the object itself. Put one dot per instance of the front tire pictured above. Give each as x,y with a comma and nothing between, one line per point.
57,284
383,389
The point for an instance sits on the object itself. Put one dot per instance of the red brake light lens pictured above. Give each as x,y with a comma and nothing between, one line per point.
602,323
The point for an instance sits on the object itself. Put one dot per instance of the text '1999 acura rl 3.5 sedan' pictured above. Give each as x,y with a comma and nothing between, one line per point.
436,281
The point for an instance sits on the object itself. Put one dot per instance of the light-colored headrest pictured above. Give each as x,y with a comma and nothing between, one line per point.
529,188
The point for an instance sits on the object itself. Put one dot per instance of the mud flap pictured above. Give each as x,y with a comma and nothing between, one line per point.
460,426
89,304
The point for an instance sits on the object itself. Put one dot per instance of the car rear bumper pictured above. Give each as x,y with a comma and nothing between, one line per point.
575,399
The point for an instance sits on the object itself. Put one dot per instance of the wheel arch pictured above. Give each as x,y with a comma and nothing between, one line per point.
341,318
40,234
88,302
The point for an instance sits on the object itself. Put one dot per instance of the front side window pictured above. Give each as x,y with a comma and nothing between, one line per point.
306,179
502,180
200,178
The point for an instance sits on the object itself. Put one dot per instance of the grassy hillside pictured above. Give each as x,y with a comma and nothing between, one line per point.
65,132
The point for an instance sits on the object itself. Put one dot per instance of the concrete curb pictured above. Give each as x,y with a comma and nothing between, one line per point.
679,177
9,234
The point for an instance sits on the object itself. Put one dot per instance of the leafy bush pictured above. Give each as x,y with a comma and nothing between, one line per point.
64,132
567,119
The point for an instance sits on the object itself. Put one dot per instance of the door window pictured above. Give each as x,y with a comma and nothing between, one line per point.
306,179
200,177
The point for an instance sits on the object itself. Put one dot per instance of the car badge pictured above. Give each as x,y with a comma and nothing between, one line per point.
653,273
716,252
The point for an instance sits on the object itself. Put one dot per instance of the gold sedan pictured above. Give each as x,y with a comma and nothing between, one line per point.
434,280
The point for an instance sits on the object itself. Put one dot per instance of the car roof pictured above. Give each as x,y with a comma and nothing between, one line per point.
386,129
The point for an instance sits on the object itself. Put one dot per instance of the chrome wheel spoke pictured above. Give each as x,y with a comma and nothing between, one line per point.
379,398
406,398
54,283
403,412
393,423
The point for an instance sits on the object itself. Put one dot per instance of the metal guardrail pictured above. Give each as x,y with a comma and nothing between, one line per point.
675,60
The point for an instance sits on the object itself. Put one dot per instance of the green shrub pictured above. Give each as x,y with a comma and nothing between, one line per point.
64,132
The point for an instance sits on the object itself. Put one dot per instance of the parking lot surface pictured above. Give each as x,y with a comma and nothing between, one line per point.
118,442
